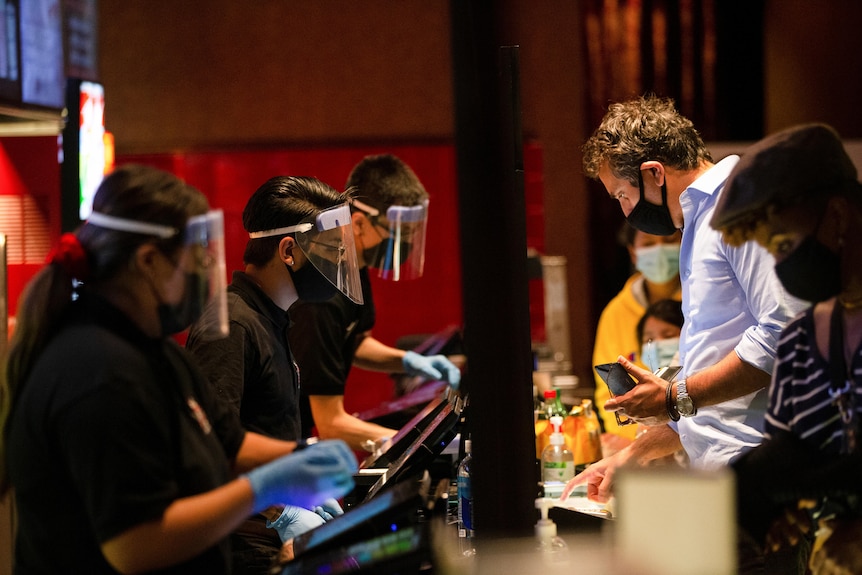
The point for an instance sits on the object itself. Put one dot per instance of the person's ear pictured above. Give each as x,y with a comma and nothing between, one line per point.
145,259
655,170
360,222
285,250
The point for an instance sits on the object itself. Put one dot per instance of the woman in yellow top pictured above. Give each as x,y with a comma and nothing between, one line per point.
656,259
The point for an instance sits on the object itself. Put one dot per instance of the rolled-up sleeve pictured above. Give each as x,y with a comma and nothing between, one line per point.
768,302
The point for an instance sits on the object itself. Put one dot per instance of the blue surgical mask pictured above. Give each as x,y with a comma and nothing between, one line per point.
658,263
659,352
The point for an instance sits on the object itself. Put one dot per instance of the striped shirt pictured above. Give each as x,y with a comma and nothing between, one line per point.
799,400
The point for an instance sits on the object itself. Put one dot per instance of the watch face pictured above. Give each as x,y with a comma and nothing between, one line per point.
685,406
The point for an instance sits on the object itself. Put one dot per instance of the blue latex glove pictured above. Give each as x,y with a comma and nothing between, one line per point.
329,509
306,478
295,520
434,367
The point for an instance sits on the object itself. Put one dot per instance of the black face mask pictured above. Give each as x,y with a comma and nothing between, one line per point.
651,218
380,255
310,284
174,318
812,272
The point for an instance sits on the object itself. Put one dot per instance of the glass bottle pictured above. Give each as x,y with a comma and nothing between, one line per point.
465,502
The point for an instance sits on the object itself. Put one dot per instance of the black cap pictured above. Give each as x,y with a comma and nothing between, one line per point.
804,160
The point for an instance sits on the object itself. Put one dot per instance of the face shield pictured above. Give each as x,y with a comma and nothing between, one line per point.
401,255
326,239
203,262
204,239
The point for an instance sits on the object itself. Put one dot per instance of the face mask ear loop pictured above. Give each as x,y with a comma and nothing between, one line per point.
641,186
664,195
651,355
643,196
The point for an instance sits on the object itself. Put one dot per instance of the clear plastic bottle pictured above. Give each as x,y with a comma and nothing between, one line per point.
553,405
558,463
465,502
553,549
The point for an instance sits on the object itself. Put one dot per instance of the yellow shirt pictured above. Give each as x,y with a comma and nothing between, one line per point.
616,335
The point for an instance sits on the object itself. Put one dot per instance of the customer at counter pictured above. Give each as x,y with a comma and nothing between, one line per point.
652,160
796,194
120,458
389,213
656,259
300,246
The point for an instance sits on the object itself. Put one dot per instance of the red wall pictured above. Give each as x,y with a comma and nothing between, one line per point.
29,207
425,305
30,216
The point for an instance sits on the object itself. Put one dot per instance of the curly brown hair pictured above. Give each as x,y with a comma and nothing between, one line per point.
636,131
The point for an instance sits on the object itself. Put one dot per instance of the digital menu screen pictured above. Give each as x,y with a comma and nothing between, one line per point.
93,155
43,81
10,73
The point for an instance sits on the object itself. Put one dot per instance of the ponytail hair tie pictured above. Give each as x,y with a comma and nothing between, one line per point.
70,255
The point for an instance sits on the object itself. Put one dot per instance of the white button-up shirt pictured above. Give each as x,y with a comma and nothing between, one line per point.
732,301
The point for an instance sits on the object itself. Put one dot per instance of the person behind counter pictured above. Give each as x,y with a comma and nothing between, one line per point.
658,332
796,193
656,261
300,246
651,159
389,214
109,432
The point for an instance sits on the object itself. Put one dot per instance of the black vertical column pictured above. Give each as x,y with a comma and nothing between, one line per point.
494,261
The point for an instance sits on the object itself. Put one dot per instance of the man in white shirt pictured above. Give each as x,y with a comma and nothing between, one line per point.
652,160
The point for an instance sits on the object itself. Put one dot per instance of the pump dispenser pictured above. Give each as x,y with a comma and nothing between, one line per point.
558,463
547,540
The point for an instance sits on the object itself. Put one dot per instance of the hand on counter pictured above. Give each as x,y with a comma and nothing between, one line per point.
598,478
646,403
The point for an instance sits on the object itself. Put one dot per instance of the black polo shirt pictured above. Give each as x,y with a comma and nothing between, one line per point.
109,429
252,369
324,337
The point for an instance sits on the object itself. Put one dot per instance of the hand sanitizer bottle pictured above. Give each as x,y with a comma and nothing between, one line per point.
558,463
552,547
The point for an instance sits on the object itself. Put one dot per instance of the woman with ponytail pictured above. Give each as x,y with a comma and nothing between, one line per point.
120,459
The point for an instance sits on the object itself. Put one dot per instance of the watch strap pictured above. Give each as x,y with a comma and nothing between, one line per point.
669,403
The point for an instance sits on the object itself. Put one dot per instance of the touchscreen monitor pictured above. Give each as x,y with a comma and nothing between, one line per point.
419,454
409,432
381,514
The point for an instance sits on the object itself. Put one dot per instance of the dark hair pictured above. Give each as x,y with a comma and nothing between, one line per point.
648,128
384,180
667,310
132,192
280,202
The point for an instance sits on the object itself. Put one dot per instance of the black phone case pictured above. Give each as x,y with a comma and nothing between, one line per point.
615,375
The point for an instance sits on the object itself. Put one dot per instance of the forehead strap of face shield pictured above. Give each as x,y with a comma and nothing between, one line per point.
371,211
131,226
301,228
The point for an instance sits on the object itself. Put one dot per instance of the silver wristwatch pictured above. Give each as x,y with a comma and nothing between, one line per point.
684,404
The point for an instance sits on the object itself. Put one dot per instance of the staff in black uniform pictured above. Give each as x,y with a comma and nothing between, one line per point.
110,433
389,213
300,245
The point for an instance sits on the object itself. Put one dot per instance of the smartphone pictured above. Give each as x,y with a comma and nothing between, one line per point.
618,379
619,382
